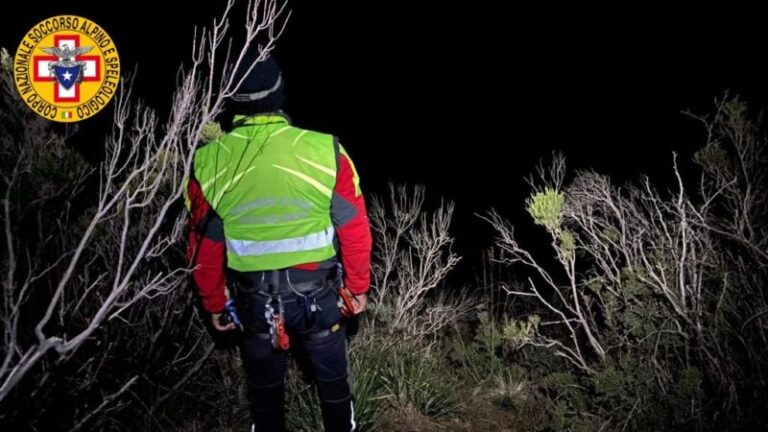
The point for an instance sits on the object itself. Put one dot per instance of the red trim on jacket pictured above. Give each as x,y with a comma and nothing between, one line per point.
355,235
206,251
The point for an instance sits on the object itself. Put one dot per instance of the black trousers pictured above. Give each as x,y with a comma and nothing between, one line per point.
315,331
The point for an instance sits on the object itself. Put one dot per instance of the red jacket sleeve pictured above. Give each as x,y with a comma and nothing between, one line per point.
206,250
352,228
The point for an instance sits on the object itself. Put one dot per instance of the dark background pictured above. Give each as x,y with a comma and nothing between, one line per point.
466,98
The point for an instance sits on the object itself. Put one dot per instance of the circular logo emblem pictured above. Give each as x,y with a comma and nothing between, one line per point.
67,68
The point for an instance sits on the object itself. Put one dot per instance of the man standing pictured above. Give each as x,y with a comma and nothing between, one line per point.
278,222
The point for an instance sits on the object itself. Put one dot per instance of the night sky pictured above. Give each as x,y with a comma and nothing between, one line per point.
466,99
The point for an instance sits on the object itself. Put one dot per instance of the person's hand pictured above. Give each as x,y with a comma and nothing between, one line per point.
216,317
360,301
215,320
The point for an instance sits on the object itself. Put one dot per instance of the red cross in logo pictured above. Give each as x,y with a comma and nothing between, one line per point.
42,73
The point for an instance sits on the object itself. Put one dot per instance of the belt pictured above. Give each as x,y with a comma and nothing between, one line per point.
283,281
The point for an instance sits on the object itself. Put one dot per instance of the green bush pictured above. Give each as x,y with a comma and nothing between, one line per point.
418,380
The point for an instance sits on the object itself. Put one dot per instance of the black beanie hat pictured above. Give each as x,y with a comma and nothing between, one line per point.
262,89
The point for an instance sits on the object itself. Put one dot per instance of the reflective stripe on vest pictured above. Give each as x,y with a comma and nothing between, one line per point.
297,244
